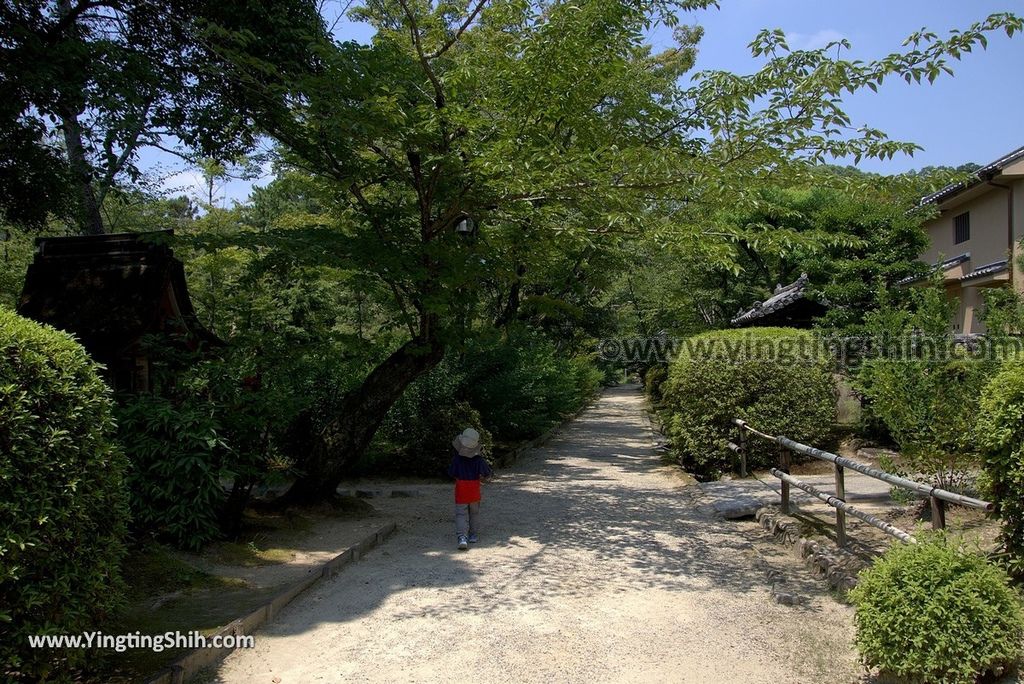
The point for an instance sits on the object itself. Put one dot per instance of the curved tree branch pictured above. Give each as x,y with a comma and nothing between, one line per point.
458,34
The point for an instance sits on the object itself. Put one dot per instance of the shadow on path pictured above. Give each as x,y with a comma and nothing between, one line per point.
586,535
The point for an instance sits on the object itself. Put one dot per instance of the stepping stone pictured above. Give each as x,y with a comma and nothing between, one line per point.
733,509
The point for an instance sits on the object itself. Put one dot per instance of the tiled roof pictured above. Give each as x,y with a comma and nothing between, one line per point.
987,269
941,266
983,174
781,298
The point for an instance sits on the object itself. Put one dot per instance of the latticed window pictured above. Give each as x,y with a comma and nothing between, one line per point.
961,228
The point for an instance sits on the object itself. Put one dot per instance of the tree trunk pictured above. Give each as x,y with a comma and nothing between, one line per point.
511,310
90,221
234,507
362,411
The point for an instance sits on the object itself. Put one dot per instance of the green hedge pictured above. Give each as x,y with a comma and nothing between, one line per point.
63,507
770,377
1000,434
929,408
924,387
931,612
653,378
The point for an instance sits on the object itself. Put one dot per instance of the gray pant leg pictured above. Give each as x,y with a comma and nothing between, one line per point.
462,519
474,517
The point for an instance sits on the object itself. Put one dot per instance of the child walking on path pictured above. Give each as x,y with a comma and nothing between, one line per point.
468,466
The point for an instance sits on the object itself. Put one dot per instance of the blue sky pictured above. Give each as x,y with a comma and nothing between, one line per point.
978,115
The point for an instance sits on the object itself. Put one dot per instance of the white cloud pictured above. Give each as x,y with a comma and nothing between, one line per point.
183,182
812,41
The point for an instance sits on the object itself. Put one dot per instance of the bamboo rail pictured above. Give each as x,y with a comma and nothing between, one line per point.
919,487
843,507
937,496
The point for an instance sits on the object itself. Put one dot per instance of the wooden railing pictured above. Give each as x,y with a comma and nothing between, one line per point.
938,497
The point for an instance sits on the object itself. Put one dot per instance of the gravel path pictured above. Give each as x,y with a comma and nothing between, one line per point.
595,564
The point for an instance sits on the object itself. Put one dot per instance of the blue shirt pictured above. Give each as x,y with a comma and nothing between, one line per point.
463,468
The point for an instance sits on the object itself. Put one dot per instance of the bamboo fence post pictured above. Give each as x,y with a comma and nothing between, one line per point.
784,464
938,513
832,501
939,498
840,513
743,452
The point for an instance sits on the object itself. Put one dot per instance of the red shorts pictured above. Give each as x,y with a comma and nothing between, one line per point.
467,491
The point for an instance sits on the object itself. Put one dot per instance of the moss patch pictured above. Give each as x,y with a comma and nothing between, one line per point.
248,555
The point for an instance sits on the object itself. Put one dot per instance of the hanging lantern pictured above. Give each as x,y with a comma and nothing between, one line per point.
465,226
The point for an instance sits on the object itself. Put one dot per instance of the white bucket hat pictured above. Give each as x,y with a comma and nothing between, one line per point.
468,443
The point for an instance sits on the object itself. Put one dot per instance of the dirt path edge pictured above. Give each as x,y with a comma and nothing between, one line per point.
189,665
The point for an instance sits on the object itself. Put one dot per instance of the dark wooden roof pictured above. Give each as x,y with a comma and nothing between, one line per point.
111,290
788,306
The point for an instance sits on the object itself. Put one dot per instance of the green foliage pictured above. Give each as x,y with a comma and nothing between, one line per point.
848,241
510,390
772,378
109,83
177,461
1003,315
924,388
524,385
62,500
416,436
294,334
15,255
295,338
932,612
1000,433
654,377
451,113
885,242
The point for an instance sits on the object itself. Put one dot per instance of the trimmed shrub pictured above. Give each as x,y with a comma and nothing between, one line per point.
62,497
931,612
924,387
769,377
1000,434
929,408
177,460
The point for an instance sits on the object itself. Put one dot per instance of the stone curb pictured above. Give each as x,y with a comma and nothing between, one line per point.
509,457
836,566
187,666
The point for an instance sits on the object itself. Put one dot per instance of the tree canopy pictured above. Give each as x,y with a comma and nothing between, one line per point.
86,84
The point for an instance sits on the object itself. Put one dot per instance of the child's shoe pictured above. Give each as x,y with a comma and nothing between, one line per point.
473,539
463,542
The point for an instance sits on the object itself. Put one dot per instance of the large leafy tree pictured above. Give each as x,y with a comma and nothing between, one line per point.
849,242
849,245
548,124
86,84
